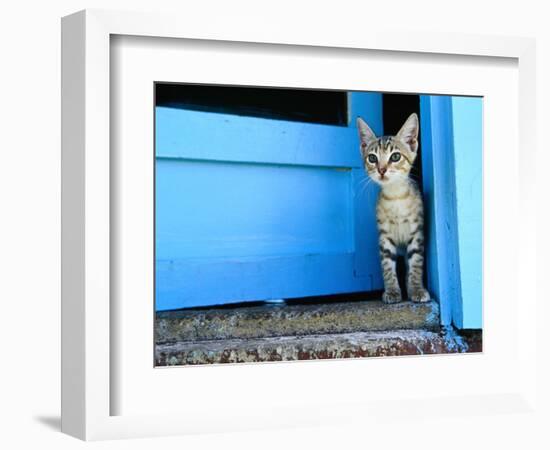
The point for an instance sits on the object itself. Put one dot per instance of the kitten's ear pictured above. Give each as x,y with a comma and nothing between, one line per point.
365,133
409,132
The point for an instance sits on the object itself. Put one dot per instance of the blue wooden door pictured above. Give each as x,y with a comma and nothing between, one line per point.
252,209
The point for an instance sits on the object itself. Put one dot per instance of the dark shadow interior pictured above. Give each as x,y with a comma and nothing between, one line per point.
302,105
396,108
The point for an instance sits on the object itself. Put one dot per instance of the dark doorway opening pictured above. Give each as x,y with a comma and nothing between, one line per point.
302,105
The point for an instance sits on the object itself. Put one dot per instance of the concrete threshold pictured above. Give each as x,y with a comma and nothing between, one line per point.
293,320
325,346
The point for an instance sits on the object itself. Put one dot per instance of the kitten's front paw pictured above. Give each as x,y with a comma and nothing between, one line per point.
419,295
391,296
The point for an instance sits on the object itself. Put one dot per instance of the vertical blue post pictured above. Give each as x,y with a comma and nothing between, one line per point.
429,141
368,106
440,202
468,154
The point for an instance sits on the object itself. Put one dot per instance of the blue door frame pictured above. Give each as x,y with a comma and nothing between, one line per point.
255,209
452,157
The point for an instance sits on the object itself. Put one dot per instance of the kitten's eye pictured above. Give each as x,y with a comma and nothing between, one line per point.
395,157
372,158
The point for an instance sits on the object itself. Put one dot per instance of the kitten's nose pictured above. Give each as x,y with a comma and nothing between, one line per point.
382,170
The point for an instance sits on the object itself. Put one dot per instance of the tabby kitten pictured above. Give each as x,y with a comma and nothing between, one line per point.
399,211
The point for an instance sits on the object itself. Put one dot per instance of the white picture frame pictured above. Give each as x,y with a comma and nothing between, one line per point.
89,327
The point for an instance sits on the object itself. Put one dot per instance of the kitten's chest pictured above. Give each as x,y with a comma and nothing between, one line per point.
396,217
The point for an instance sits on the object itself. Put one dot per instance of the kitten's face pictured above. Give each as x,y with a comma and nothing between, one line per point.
389,159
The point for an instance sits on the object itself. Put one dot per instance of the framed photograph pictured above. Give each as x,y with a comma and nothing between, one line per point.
290,224
263,228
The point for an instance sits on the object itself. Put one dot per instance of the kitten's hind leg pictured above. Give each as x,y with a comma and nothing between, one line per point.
388,256
415,263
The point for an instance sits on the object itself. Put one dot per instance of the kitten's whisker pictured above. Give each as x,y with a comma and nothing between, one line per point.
363,185
363,182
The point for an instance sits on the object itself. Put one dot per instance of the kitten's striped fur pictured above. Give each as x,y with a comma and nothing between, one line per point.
399,210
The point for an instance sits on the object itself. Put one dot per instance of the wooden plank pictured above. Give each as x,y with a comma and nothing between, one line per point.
442,255
198,135
367,261
367,105
215,209
429,141
211,281
468,156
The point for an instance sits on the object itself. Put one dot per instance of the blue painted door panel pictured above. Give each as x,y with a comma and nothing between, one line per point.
223,209
253,209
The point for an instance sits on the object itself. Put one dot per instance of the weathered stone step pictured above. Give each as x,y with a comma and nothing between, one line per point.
293,320
292,348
